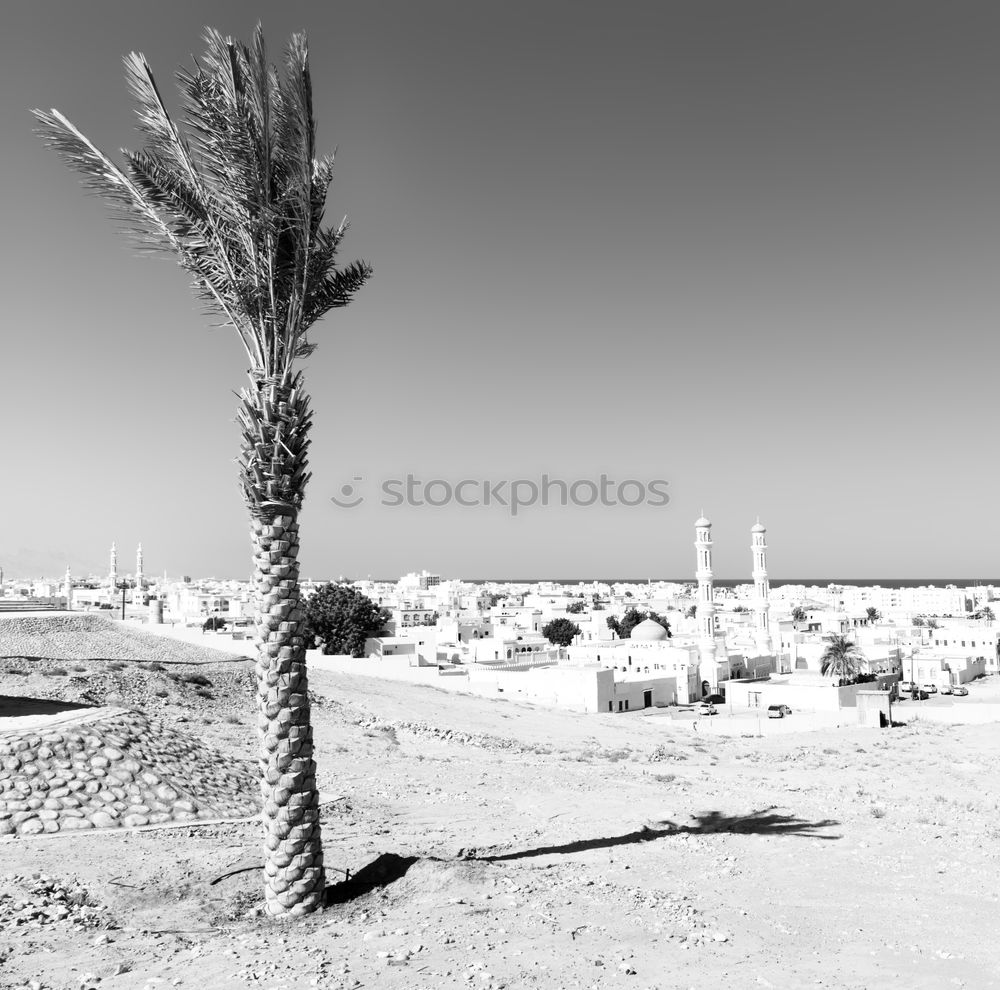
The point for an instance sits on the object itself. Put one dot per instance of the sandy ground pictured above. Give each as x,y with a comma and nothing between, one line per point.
544,849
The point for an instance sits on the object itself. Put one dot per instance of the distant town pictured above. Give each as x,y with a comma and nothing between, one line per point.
608,646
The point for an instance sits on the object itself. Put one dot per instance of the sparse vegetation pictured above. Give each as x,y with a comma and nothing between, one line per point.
842,658
560,632
340,619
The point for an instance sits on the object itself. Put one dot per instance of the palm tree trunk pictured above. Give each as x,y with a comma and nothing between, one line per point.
275,419
293,853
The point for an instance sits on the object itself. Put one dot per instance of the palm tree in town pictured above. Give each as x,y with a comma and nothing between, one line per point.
873,614
841,658
237,195
986,614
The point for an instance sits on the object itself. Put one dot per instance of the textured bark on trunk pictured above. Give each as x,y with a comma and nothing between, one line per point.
293,867
275,419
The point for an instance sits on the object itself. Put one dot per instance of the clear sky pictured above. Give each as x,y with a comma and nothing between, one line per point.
747,248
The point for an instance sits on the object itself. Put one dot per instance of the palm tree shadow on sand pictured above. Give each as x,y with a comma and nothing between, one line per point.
380,872
765,822
387,868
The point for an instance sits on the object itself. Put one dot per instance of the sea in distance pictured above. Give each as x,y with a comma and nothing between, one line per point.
733,582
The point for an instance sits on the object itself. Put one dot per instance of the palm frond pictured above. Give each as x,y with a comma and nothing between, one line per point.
235,191
103,177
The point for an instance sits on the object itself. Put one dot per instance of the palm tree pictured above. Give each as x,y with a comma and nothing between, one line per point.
986,614
873,614
841,658
238,196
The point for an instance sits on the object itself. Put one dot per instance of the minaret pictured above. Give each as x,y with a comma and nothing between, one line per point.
68,589
762,605
113,575
137,595
706,603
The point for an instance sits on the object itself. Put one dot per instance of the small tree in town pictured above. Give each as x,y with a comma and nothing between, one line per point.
561,632
340,618
873,614
798,614
574,608
656,617
842,658
623,627
919,621
214,623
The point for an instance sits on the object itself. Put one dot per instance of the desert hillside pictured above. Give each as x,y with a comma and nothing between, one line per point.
495,845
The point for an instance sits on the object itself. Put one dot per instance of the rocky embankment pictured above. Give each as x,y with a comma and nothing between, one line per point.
95,637
113,769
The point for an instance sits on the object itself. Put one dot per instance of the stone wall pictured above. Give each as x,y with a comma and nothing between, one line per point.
109,768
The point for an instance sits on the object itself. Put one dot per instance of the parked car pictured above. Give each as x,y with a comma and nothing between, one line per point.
708,709
946,689
959,691
929,688
905,687
778,711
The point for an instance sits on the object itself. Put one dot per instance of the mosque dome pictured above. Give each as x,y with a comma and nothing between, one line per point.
649,630
759,528
702,522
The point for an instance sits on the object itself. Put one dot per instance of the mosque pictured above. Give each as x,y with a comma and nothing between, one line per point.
140,580
695,664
